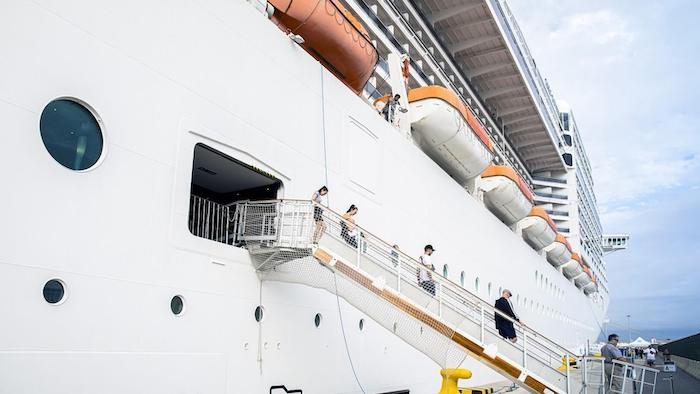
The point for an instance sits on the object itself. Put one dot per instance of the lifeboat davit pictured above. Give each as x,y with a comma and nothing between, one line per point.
332,35
573,268
539,230
559,252
505,194
448,132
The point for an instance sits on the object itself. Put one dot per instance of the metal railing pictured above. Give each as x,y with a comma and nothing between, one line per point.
291,223
623,377
548,179
210,220
557,213
543,97
551,195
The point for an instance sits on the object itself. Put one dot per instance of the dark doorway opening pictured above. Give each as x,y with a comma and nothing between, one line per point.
218,182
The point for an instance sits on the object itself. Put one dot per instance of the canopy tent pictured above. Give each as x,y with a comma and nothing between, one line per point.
639,343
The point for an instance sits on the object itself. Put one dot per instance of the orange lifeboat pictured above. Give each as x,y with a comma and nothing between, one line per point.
332,35
559,252
539,230
448,132
574,267
506,195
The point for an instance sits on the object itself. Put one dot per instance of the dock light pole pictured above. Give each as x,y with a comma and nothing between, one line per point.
629,330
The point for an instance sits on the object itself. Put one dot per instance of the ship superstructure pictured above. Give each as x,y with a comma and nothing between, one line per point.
147,130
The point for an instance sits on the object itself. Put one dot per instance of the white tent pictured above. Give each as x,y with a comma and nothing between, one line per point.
639,343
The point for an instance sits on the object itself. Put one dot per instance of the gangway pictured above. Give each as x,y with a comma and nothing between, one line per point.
381,281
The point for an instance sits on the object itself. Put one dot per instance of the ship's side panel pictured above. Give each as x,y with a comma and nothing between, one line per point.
164,76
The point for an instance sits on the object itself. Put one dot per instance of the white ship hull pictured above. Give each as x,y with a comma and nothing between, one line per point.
164,76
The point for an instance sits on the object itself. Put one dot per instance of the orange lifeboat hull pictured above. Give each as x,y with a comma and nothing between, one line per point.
332,35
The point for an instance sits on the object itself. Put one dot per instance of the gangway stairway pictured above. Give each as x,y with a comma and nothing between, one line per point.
382,282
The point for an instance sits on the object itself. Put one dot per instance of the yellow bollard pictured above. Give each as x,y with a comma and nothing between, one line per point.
450,378
563,366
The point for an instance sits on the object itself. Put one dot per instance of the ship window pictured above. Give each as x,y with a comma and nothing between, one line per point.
461,278
71,134
177,305
54,291
568,159
488,289
476,285
445,270
259,313
317,320
567,139
218,182
362,324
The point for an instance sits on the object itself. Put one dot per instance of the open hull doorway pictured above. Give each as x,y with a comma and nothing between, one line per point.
218,182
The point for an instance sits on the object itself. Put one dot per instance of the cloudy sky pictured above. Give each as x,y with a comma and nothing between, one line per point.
629,69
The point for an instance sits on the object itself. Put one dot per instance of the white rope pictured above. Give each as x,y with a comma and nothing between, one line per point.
345,339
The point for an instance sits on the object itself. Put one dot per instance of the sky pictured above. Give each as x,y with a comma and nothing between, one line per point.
629,70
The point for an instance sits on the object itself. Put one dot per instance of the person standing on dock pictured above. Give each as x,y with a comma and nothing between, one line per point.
425,276
503,325
650,354
320,228
610,352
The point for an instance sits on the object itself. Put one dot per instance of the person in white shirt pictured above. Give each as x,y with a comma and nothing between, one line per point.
650,354
425,276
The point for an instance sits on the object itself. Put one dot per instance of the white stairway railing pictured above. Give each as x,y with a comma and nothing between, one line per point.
382,282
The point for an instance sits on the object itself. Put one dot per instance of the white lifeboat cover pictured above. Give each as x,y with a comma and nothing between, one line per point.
537,230
582,280
558,254
572,269
590,288
443,134
504,198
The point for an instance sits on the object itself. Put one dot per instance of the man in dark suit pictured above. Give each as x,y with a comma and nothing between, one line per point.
505,326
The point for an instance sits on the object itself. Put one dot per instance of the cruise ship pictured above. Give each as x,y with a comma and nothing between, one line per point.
159,233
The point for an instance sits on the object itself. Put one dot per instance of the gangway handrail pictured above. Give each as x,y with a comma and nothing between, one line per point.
441,280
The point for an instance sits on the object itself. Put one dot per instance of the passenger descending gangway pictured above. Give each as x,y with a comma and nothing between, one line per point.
382,282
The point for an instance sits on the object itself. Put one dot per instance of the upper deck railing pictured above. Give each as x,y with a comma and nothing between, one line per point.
543,98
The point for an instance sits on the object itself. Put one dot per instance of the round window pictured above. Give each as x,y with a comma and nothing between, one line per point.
54,291
362,324
317,319
259,313
71,133
177,305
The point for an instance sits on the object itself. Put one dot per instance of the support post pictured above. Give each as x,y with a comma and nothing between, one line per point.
524,348
481,307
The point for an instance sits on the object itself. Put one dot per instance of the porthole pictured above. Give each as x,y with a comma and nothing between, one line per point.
54,291
259,313
476,285
177,305
362,324
461,278
317,320
395,326
71,133
445,270
488,289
